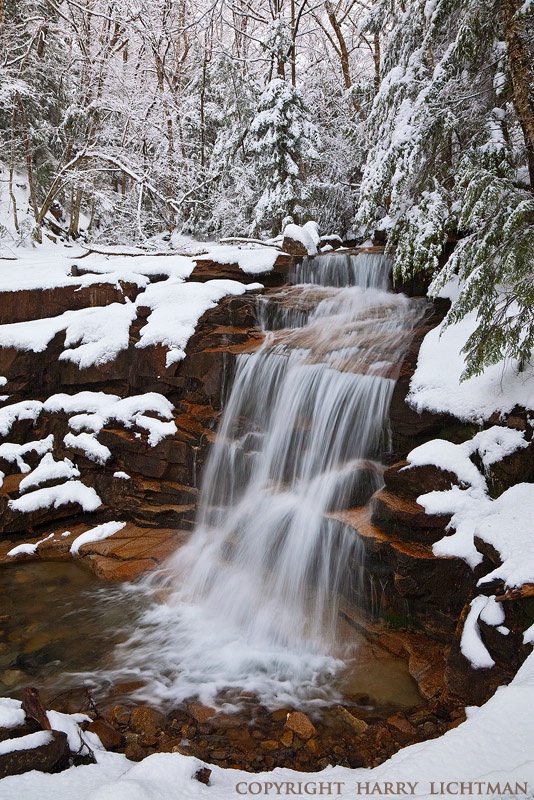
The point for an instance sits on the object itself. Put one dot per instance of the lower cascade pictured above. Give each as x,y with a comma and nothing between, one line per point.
250,603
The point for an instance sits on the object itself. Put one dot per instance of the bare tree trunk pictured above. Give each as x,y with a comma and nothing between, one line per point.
293,53
29,166
342,52
75,213
12,170
376,59
521,74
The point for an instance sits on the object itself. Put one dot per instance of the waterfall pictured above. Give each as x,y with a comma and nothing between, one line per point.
250,602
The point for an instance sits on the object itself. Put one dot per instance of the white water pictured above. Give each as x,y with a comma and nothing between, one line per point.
250,603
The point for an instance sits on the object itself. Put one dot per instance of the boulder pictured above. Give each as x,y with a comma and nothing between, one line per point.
45,757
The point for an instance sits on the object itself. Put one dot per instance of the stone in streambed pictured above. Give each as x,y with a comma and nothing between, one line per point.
300,724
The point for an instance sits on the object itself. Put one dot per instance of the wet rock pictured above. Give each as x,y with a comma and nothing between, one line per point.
110,738
287,738
120,715
201,713
404,517
398,722
134,752
412,481
43,758
147,722
357,725
300,724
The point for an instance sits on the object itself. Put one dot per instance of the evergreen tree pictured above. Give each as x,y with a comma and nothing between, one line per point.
451,154
283,139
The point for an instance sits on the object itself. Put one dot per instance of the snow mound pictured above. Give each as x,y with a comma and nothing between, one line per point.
436,385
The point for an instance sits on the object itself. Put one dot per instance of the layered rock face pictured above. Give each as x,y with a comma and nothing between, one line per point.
123,440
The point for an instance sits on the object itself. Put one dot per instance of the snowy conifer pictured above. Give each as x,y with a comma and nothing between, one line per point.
450,154
283,139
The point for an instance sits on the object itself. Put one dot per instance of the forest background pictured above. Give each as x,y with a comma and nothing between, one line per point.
129,120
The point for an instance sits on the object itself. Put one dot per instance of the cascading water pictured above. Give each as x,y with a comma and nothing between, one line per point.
250,603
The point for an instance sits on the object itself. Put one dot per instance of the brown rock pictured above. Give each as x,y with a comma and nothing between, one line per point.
357,725
400,723
313,746
43,758
287,738
300,724
147,722
270,744
202,775
120,715
293,247
134,752
201,713
110,738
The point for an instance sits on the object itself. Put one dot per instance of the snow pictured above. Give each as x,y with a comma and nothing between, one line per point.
13,453
11,713
49,266
176,309
436,385
491,445
27,742
56,496
95,336
89,445
91,411
27,548
508,528
96,535
123,475
49,469
27,409
505,523
302,235
312,227
250,258
447,456
471,644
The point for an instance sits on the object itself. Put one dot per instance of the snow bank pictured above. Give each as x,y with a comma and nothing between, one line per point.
96,336
89,445
27,409
14,453
28,742
91,411
49,469
11,713
436,386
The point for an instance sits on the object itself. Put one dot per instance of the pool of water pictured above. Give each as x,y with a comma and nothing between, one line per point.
60,627
55,619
